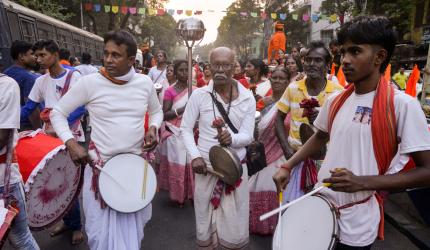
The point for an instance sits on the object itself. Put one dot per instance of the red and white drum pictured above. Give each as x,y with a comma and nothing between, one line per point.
52,181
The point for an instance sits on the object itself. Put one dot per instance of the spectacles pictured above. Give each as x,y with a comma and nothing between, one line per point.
223,66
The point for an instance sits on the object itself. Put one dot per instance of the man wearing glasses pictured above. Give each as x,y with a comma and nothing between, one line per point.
222,211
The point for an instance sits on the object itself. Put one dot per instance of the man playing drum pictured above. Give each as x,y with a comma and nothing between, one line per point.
364,156
117,99
316,86
222,212
20,235
49,88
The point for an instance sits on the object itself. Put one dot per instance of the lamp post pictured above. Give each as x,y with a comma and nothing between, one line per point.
190,30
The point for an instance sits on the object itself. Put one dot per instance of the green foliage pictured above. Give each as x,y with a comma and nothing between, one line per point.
237,31
53,8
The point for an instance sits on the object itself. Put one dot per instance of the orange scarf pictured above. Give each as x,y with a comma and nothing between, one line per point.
107,76
383,126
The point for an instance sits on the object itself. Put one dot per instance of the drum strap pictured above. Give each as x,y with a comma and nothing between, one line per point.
355,203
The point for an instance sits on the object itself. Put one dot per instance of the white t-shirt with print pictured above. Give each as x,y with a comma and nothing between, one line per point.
351,147
47,89
9,119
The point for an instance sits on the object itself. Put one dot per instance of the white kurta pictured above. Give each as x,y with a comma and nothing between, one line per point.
117,120
228,225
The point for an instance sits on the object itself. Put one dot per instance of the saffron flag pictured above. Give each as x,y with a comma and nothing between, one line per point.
411,85
387,74
341,77
333,69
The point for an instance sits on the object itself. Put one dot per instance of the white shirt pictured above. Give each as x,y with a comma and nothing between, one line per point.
200,108
9,119
86,69
157,75
351,147
117,112
47,89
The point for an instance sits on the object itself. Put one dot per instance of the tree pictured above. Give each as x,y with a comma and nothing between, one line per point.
397,11
238,31
55,9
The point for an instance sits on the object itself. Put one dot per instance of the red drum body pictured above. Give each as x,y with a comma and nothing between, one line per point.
52,181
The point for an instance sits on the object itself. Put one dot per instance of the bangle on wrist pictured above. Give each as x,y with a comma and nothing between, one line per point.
286,167
176,112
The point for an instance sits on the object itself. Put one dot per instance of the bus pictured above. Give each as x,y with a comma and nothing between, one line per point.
20,23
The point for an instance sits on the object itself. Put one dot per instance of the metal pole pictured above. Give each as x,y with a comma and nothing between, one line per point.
426,84
190,70
82,17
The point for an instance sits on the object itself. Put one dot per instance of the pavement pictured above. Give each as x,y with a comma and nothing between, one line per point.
173,228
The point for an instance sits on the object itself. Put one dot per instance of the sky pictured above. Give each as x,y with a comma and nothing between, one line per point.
210,20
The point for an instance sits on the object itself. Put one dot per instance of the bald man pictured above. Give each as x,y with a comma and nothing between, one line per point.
221,216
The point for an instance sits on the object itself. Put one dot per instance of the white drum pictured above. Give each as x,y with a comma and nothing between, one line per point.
311,224
127,183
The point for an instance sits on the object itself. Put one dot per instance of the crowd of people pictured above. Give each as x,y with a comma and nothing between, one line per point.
364,135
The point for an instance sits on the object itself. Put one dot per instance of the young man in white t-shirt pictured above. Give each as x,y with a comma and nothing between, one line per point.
20,236
158,72
373,130
49,88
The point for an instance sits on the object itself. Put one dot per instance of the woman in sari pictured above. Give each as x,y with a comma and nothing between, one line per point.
263,197
207,76
175,173
256,72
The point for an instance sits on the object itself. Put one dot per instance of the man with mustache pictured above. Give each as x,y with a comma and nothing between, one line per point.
366,154
222,212
117,99
315,85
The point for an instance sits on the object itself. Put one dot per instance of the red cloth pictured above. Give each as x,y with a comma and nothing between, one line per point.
341,77
387,74
201,82
383,126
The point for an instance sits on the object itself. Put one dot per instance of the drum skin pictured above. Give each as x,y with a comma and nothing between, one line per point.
52,181
125,195
311,224
225,161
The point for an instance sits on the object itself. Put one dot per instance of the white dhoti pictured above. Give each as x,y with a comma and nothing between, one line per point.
228,224
108,229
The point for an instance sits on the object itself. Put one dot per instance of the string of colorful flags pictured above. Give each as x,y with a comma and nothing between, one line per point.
142,11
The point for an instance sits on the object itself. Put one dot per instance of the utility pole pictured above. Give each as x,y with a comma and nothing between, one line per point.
82,17
426,84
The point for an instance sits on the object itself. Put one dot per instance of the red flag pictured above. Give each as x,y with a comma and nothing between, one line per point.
411,85
341,77
387,74
88,6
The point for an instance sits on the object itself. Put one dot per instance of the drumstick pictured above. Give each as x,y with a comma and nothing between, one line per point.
216,173
109,175
282,208
279,241
145,172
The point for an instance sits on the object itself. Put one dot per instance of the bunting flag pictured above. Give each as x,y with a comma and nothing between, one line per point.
152,12
160,12
115,9
341,77
283,16
387,74
136,10
141,11
305,17
97,7
411,85
88,6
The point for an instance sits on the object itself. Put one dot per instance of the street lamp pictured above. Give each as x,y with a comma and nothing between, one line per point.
190,30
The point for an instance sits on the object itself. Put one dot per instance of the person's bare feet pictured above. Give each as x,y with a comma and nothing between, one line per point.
59,229
77,237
